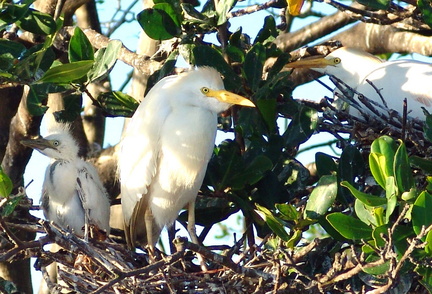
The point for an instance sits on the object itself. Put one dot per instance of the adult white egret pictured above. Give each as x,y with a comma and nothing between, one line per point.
73,196
165,151
368,75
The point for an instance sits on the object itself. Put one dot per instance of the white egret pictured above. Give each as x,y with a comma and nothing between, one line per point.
73,196
369,76
165,151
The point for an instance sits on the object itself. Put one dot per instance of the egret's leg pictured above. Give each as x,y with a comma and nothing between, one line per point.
192,232
148,219
86,225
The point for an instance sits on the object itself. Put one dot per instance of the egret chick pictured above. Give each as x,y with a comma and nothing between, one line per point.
73,196
165,151
369,76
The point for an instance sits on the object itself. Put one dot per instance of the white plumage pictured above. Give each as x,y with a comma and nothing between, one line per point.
395,80
166,148
73,196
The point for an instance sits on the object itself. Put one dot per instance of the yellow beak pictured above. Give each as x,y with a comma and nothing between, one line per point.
229,97
312,63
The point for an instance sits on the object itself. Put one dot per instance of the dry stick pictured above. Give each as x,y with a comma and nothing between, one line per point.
147,269
252,9
77,245
183,243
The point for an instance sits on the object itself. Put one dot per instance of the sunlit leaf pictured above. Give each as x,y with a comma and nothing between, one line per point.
105,59
273,222
322,197
67,73
402,170
5,184
38,23
349,227
117,103
159,22
367,199
80,47
421,212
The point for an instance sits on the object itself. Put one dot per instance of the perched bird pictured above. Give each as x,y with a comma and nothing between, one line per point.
73,196
392,80
165,151
347,64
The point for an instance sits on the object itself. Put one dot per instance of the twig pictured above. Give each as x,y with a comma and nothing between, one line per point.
222,260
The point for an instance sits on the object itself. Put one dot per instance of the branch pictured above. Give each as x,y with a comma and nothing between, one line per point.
142,63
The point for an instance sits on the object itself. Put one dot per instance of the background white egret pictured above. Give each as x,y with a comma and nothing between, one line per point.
165,151
368,75
73,196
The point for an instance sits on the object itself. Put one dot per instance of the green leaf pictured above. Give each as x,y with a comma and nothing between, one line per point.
14,48
288,212
80,47
349,227
208,56
325,164
252,173
422,163
321,198
421,212
117,103
253,65
34,102
235,54
38,94
11,204
350,167
367,199
5,184
105,59
402,169
383,166
268,32
376,270
267,108
273,222
365,213
13,13
222,9
72,109
377,168
67,73
426,273
391,195
426,11
38,23
302,126
159,22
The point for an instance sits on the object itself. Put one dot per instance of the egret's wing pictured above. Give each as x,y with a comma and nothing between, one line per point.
397,80
93,196
139,154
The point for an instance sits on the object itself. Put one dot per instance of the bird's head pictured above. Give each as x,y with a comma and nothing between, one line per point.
60,146
348,64
206,89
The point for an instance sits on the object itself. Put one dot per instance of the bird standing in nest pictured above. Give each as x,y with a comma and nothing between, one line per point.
73,196
165,151
386,84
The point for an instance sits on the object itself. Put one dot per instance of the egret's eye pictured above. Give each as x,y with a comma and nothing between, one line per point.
55,143
205,90
336,60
